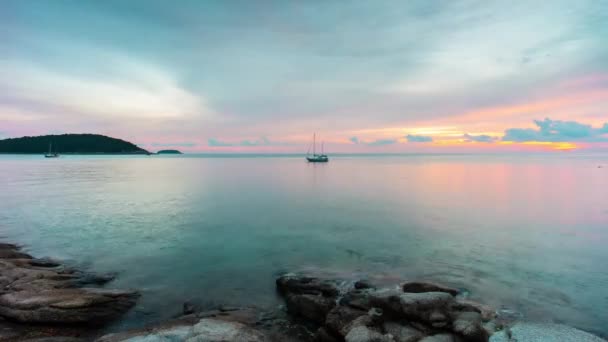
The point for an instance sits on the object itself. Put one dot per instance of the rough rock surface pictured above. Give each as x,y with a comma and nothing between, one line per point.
427,312
42,292
205,329
544,333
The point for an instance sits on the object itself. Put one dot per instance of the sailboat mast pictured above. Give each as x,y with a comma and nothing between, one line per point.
314,144
322,142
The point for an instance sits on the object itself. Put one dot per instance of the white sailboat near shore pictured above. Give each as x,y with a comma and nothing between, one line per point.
51,154
316,158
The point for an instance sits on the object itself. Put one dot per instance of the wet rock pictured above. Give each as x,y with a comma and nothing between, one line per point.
420,287
88,278
339,317
487,313
323,335
469,325
206,329
430,307
66,305
357,299
363,284
188,308
365,334
544,333
402,333
442,338
291,284
309,306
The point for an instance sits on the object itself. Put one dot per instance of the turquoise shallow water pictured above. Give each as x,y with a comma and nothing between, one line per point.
526,232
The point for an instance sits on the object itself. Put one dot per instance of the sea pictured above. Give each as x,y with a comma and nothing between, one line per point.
525,233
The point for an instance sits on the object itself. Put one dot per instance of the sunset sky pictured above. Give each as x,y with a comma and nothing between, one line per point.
262,76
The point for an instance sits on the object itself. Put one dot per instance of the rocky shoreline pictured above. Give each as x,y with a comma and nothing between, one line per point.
44,301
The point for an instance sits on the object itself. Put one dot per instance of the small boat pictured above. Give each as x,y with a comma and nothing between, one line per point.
51,154
316,158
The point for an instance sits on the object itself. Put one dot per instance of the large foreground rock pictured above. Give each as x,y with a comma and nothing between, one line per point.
85,305
42,291
204,330
544,333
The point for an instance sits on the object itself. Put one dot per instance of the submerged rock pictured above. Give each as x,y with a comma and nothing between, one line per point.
420,287
544,333
291,284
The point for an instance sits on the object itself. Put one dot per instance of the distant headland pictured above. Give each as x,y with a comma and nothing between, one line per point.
69,144
169,152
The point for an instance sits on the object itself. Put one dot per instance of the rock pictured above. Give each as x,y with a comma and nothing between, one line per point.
487,313
53,339
88,278
365,334
290,284
87,305
363,284
538,332
402,333
44,262
188,308
309,306
469,325
429,307
339,317
441,338
323,335
419,287
206,329
357,299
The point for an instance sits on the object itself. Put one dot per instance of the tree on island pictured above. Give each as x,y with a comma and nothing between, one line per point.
70,143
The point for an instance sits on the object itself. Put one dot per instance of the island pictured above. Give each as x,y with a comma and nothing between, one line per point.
169,152
69,144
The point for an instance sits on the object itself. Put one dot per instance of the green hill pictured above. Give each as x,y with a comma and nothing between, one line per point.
70,143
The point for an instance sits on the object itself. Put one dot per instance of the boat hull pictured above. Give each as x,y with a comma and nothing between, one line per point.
317,160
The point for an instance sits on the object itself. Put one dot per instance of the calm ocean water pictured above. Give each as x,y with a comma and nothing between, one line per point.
529,233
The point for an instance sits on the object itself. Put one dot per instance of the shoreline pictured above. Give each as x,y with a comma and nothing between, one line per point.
45,300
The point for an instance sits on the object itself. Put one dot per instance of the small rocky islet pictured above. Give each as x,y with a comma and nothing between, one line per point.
44,301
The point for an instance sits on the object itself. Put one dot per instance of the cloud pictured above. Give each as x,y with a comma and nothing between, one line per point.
556,131
382,142
263,141
484,138
182,144
418,138
354,140
217,143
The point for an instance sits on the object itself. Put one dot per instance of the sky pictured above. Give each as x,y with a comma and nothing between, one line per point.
262,76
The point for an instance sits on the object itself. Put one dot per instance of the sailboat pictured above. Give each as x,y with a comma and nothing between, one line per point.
51,154
316,158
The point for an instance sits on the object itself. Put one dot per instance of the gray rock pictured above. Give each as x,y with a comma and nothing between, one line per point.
469,325
402,333
442,338
538,332
339,317
363,284
309,306
430,307
365,334
357,299
420,287
206,329
86,305
291,284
